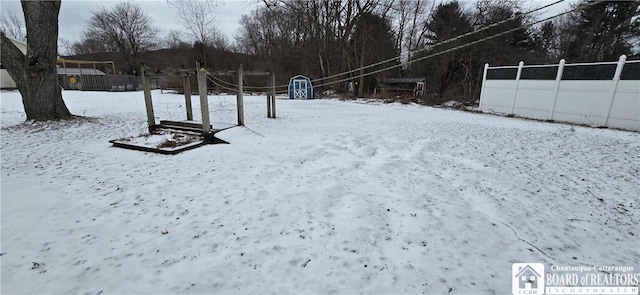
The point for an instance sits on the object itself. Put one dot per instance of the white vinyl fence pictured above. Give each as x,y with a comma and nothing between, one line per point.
596,94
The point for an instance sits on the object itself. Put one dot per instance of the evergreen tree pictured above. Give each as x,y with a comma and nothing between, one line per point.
373,41
446,71
601,32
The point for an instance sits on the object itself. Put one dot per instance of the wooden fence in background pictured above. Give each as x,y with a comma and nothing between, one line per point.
106,82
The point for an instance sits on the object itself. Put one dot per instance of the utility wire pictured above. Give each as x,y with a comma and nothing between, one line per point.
236,87
397,58
465,45
440,44
443,42
220,81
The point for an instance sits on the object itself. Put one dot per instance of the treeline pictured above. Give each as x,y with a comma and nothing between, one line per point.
324,38
353,42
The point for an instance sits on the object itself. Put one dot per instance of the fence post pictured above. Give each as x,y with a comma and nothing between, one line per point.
109,83
614,88
204,102
515,96
271,98
187,96
269,104
240,98
484,82
81,79
147,99
557,87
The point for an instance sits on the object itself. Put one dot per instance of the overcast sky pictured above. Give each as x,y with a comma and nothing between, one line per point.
74,14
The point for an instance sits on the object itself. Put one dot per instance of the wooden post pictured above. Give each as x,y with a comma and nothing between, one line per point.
80,76
240,98
147,99
187,97
269,104
273,96
204,102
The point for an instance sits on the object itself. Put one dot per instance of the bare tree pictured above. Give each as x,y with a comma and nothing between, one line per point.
198,17
35,74
65,47
90,44
411,16
13,25
174,40
125,29
310,37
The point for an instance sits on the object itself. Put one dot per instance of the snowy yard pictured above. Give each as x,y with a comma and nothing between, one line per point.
331,197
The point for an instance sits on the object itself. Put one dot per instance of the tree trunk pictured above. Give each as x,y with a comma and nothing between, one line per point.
361,78
35,74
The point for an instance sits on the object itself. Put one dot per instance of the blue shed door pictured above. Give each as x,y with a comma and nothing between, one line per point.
300,89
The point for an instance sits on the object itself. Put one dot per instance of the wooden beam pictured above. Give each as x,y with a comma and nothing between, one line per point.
204,102
271,98
187,97
240,98
232,73
256,73
59,60
147,99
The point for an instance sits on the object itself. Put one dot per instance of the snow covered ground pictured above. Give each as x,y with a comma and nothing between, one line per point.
331,197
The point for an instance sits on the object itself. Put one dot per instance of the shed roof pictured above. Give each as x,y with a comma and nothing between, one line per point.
20,44
299,77
79,71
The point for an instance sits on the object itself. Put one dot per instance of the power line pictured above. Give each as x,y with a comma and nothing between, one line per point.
466,44
442,43
435,45
220,81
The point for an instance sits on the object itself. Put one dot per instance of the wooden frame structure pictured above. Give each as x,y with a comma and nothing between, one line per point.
271,94
204,128
85,62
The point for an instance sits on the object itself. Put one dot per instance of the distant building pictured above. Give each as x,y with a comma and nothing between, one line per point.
78,72
300,88
69,78
6,82
403,87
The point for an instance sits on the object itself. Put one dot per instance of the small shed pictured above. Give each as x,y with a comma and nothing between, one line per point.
405,87
300,88
79,72
81,79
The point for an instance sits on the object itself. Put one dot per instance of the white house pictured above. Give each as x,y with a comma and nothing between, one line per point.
69,76
6,82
